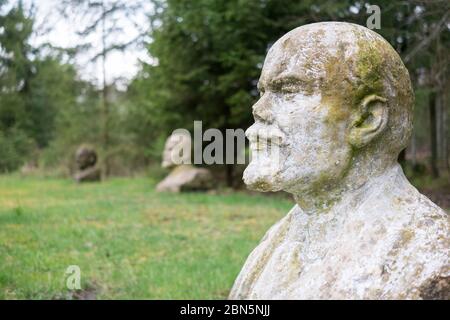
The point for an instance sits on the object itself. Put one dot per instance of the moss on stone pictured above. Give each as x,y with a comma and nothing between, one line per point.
369,70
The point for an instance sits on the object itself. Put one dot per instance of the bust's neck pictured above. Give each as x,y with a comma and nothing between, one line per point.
352,190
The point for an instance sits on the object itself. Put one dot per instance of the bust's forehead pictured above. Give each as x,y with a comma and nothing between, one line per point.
305,51
177,139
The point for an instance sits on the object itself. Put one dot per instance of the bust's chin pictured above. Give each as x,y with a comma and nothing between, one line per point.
166,164
258,179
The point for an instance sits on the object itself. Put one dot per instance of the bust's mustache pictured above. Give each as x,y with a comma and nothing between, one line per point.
261,138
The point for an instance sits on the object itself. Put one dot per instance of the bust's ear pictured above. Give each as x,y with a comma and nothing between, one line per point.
370,120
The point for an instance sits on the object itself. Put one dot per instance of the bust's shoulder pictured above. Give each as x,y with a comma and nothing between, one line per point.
259,257
424,213
419,250
420,223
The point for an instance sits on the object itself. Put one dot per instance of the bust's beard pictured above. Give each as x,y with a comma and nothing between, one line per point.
263,175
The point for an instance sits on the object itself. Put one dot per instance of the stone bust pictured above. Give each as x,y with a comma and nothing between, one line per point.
336,104
173,154
184,176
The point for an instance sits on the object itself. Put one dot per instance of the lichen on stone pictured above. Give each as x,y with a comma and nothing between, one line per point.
359,229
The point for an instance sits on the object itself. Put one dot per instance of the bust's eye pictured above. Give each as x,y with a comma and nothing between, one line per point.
288,88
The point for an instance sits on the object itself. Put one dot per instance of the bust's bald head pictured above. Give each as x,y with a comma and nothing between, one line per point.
332,88
344,62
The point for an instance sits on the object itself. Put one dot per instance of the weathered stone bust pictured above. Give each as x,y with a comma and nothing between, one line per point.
173,154
184,176
86,159
336,104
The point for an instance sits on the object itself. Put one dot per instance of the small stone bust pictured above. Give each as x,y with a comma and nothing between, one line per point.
184,176
86,159
334,113
175,148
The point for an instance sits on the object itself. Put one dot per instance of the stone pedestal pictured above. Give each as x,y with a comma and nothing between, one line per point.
186,178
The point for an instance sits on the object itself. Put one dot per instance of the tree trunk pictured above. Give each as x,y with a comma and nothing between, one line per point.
442,142
105,130
105,106
229,173
439,137
433,134
414,148
402,156
445,129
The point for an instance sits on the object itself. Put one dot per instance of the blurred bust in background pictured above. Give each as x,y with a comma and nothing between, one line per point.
184,176
177,150
86,160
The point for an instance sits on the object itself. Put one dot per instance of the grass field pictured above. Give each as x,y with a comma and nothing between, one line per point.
129,242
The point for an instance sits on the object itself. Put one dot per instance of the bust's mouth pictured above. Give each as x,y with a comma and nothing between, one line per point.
264,143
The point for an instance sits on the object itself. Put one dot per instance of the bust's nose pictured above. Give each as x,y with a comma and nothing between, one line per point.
262,109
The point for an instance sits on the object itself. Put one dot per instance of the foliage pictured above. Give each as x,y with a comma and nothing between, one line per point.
15,146
75,123
33,90
208,54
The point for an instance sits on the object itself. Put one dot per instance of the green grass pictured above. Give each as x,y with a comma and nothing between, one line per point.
130,242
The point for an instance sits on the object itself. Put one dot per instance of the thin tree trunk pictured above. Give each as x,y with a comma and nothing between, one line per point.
414,148
441,62
445,128
402,156
433,134
439,138
105,106
229,173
